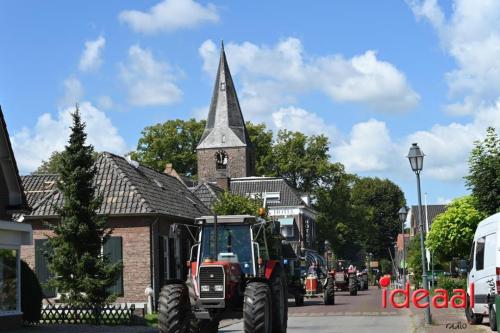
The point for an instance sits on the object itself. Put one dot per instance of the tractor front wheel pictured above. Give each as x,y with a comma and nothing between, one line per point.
329,293
299,299
257,316
174,309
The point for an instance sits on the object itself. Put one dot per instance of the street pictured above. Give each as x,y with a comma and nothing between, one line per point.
361,313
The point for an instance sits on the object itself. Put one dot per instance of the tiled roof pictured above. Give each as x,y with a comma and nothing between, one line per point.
126,190
38,187
432,212
207,193
289,196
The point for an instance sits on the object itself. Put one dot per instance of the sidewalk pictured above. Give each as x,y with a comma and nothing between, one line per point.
444,320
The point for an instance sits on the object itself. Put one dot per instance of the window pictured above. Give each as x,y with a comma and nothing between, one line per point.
221,160
113,249
480,253
272,197
8,280
287,231
42,266
489,251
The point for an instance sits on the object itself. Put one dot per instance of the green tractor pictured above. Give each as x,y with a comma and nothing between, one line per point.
231,275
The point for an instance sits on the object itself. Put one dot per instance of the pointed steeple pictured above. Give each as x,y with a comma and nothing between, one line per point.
225,124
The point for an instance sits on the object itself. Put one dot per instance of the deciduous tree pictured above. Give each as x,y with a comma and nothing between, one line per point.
452,232
484,173
173,141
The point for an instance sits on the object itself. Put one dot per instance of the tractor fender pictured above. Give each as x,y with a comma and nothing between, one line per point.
174,281
270,266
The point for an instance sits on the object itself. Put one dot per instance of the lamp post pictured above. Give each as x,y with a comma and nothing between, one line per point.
403,212
416,158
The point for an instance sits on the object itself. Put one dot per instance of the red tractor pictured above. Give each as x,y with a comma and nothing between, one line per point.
346,278
231,276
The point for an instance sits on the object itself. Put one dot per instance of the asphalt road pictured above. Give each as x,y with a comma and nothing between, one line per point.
361,313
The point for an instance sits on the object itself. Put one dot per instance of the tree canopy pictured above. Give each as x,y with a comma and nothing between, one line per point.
484,173
378,200
173,141
452,232
233,204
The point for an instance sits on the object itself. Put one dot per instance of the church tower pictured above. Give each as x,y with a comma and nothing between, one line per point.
225,149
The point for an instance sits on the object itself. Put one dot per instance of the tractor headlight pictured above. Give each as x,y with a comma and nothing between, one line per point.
205,288
219,287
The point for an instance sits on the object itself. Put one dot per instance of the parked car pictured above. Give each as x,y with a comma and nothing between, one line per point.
483,272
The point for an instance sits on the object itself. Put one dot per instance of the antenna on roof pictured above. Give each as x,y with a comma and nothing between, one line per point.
130,161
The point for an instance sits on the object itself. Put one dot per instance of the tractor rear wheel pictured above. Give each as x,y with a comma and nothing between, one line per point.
174,309
329,293
353,288
257,316
279,295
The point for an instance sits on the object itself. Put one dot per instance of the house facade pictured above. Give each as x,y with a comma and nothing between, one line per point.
140,205
12,234
285,204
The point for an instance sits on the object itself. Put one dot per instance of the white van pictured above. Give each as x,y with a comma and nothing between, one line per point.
484,271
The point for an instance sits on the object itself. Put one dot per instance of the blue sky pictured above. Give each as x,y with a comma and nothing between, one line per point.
372,75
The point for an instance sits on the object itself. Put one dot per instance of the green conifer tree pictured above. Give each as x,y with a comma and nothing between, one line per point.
81,272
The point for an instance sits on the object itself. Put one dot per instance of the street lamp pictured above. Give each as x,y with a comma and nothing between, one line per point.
403,212
416,158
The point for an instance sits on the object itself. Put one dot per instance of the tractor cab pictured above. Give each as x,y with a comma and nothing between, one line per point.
229,240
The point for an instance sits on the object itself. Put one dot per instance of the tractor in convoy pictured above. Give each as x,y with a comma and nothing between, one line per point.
308,277
235,271
346,277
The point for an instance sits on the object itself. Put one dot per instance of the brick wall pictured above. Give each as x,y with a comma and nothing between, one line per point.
136,253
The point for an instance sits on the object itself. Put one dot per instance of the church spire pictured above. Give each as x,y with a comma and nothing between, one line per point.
225,124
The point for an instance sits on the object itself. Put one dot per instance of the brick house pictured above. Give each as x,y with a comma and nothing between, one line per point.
12,234
140,205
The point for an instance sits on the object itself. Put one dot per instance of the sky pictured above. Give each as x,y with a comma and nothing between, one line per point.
373,76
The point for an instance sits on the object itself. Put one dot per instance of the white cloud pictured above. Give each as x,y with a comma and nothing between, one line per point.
369,148
31,146
443,201
471,35
73,92
149,81
90,59
273,77
297,119
105,102
170,15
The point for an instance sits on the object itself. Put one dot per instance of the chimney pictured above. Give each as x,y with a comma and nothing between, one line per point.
168,169
224,183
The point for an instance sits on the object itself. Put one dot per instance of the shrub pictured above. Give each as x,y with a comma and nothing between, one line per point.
31,295
449,283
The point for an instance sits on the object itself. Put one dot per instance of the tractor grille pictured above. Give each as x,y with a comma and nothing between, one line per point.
211,276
